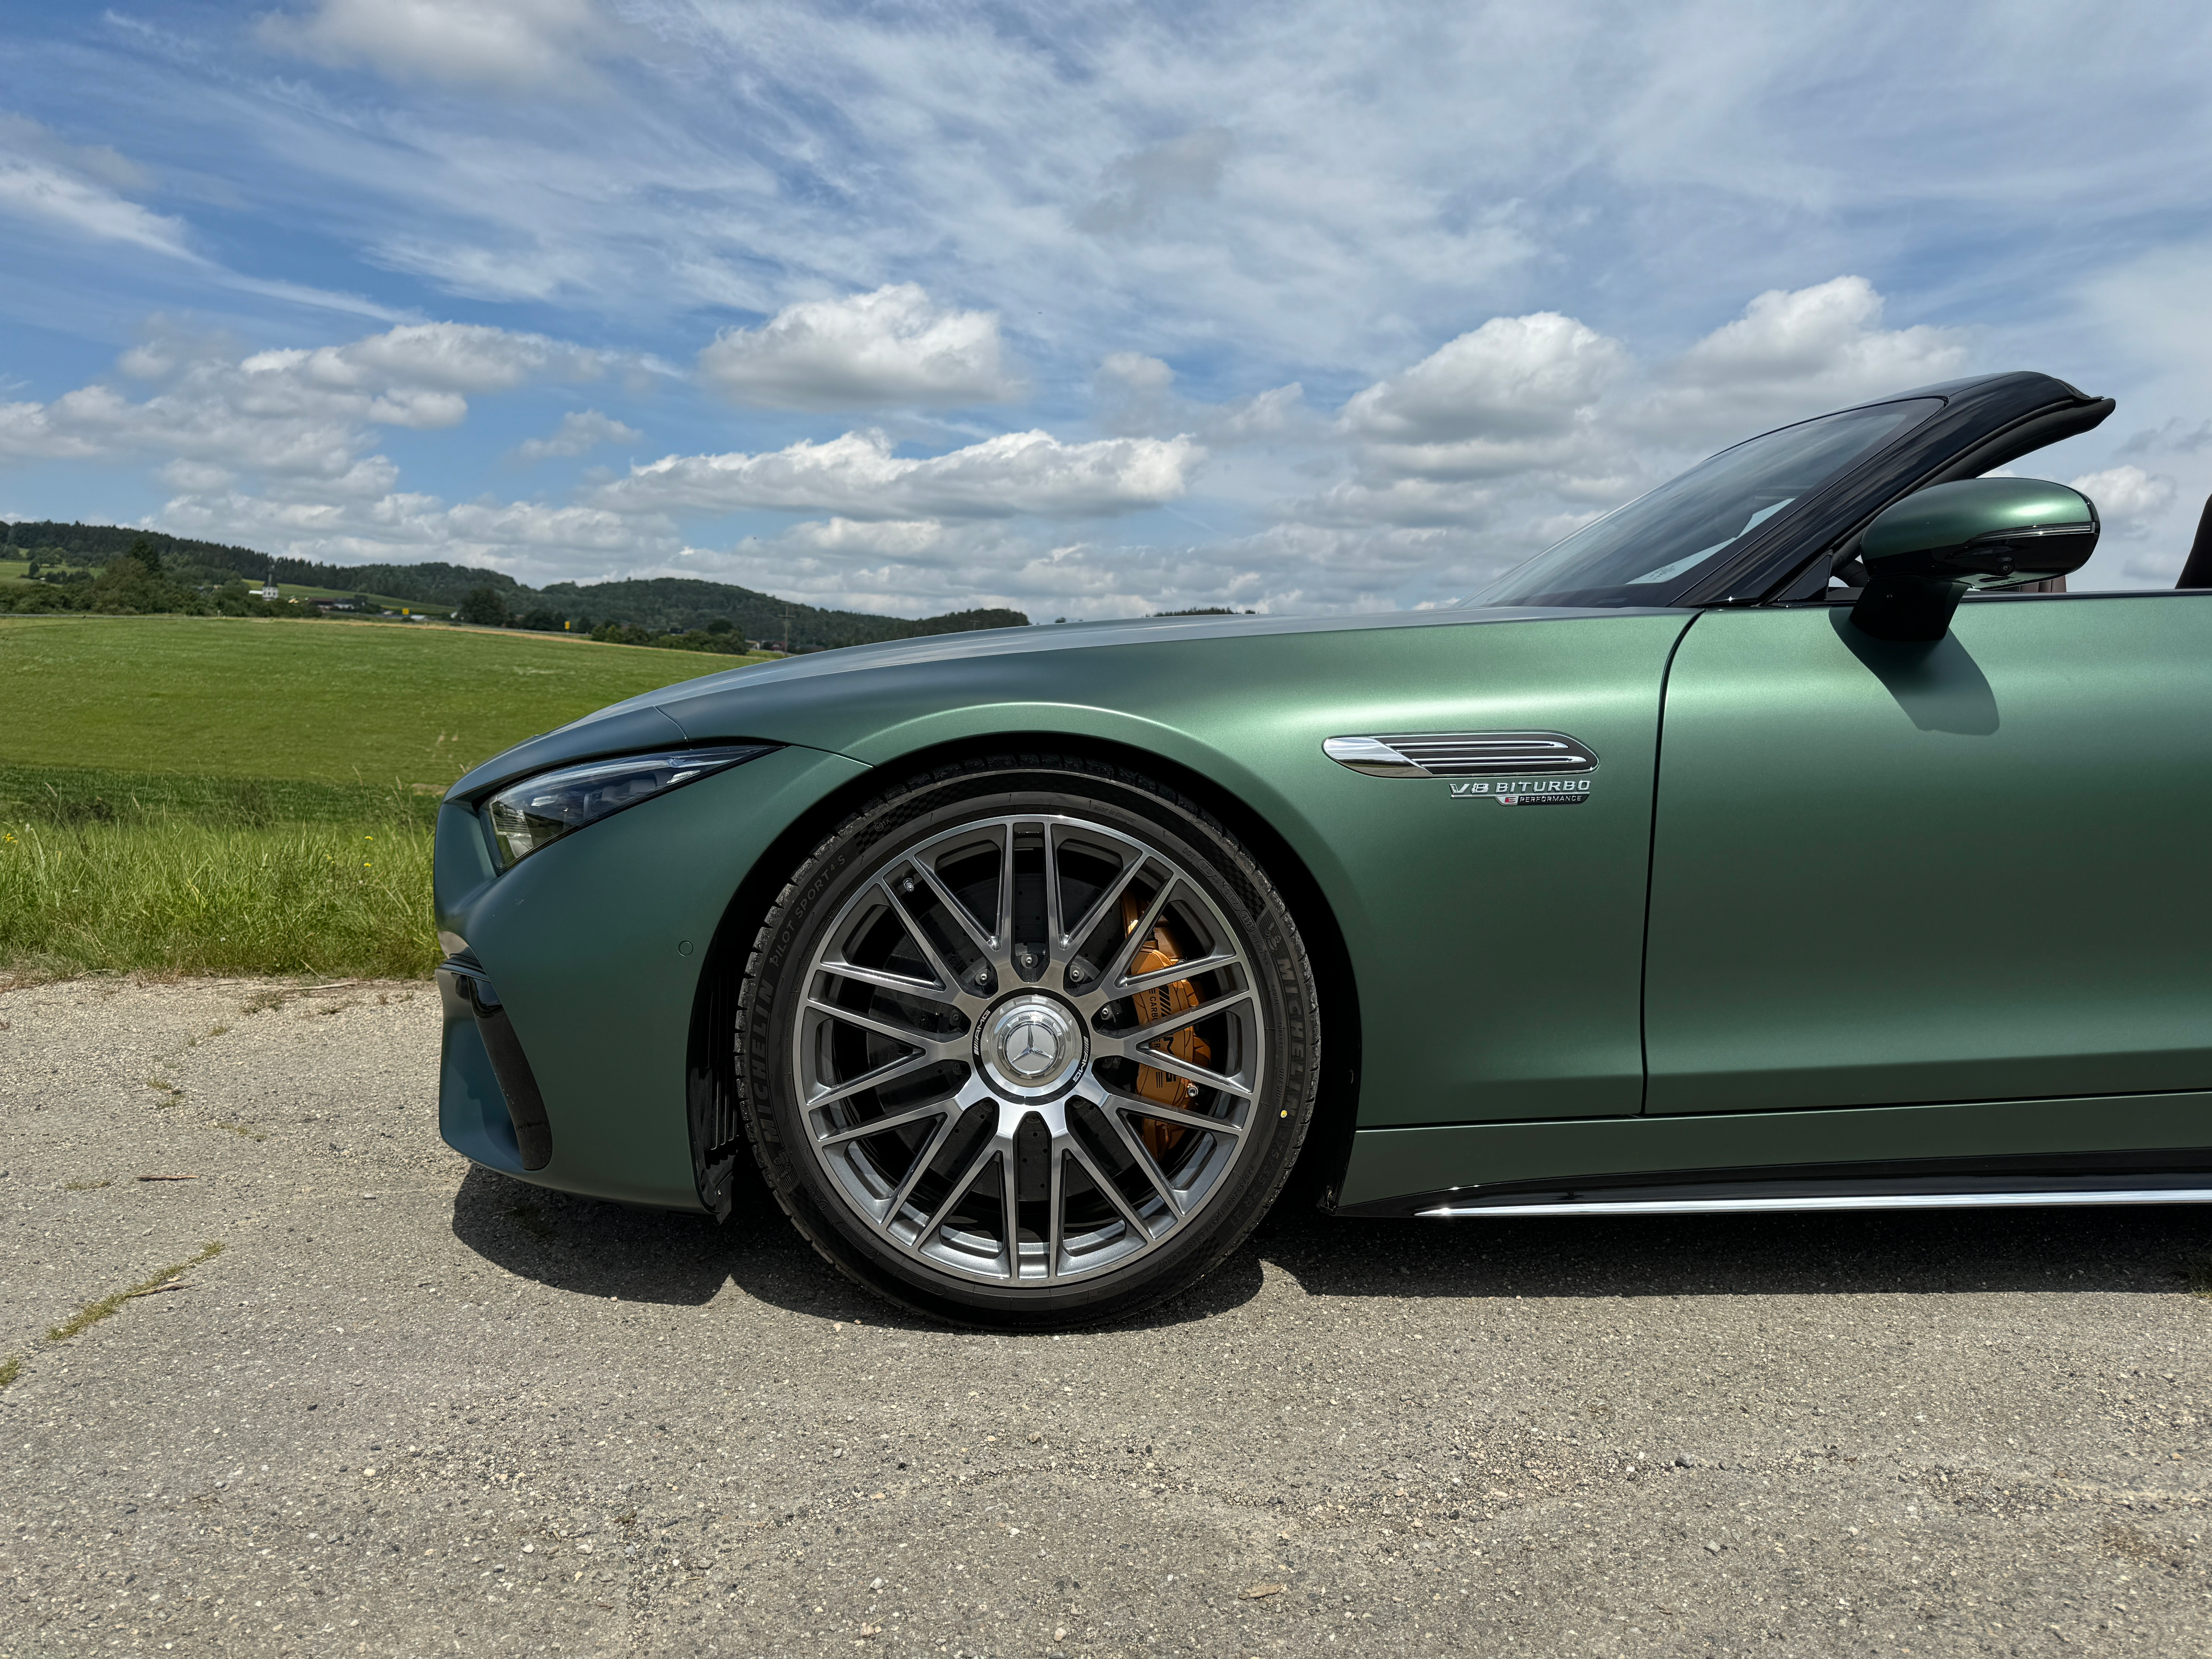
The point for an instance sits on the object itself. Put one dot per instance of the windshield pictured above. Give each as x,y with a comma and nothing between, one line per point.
1652,550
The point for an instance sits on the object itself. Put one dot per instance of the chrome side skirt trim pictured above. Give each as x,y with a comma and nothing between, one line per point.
1843,1201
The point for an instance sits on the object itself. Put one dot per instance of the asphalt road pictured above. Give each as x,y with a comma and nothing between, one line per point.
413,1408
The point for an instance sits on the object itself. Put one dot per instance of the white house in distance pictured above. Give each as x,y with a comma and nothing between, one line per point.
269,588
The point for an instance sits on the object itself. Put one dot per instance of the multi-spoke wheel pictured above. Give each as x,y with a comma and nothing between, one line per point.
1028,1043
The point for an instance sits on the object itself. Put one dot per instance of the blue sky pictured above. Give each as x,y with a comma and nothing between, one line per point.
1087,309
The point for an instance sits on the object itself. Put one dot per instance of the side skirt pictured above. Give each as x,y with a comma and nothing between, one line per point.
2196,1189
1904,1157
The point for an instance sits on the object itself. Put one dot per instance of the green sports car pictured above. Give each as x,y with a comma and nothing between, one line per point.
1789,838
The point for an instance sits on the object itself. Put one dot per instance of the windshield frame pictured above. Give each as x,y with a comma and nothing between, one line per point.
1752,546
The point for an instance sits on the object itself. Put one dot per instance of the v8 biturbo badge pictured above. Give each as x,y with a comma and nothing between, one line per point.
1525,791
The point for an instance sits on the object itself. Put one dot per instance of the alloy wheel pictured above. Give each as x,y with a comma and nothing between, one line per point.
1028,1050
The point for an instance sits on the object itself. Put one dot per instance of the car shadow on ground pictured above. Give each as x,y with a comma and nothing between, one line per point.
2107,1250
590,1248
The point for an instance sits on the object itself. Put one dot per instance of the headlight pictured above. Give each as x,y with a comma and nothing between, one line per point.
539,810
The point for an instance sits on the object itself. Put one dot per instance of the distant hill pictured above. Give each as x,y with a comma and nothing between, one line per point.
664,604
671,605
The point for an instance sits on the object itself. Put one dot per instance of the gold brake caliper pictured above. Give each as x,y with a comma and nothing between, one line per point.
1176,997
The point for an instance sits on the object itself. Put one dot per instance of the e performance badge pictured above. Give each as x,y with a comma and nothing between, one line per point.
1526,792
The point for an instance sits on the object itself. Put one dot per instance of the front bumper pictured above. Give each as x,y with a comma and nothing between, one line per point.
489,1106
580,977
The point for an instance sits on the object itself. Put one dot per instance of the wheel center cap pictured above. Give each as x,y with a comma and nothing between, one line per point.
1029,1044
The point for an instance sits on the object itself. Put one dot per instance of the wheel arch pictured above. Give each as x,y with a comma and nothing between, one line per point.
719,1160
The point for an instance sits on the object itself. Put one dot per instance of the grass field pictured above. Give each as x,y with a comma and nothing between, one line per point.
203,794
331,701
298,591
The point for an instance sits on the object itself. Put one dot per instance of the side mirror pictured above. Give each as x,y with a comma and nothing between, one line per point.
1926,552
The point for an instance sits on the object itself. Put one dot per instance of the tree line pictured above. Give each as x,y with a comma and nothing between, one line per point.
657,607
138,581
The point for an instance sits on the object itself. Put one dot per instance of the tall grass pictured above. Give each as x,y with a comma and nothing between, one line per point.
300,899
198,794
69,796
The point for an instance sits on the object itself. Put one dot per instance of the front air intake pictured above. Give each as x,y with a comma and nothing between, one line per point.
517,1084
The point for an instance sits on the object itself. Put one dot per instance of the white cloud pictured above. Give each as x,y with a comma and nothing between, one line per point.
80,190
1259,197
1798,353
1138,187
1430,480
1516,396
893,347
1266,413
531,540
1136,394
1513,377
1532,422
512,45
291,414
450,357
1136,372
911,567
857,475
2129,500
1423,485
579,430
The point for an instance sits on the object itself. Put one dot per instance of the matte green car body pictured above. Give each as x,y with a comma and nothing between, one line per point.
1937,885
1818,906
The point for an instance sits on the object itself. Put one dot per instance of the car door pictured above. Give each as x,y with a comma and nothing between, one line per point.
1978,871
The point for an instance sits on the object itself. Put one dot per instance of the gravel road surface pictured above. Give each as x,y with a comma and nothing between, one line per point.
414,1408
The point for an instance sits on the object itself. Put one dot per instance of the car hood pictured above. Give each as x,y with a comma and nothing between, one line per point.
756,700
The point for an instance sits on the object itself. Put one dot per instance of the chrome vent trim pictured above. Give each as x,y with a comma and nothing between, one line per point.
1461,754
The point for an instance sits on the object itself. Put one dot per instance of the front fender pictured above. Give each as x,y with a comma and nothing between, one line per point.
1498,955
595,945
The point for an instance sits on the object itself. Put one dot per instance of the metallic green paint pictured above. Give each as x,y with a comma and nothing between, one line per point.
1951,515
1971,870
1388,1164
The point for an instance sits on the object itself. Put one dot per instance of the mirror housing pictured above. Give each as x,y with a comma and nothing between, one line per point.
1925,553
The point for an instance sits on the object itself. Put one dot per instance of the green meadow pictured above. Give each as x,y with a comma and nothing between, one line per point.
198,794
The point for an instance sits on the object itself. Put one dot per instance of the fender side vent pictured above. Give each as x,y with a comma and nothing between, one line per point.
1461,754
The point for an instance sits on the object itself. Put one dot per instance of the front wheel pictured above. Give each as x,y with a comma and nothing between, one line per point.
1028,1043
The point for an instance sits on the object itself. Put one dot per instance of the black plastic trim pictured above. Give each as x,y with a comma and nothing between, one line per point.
713,1111
518,1083
2196,570
1983,423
